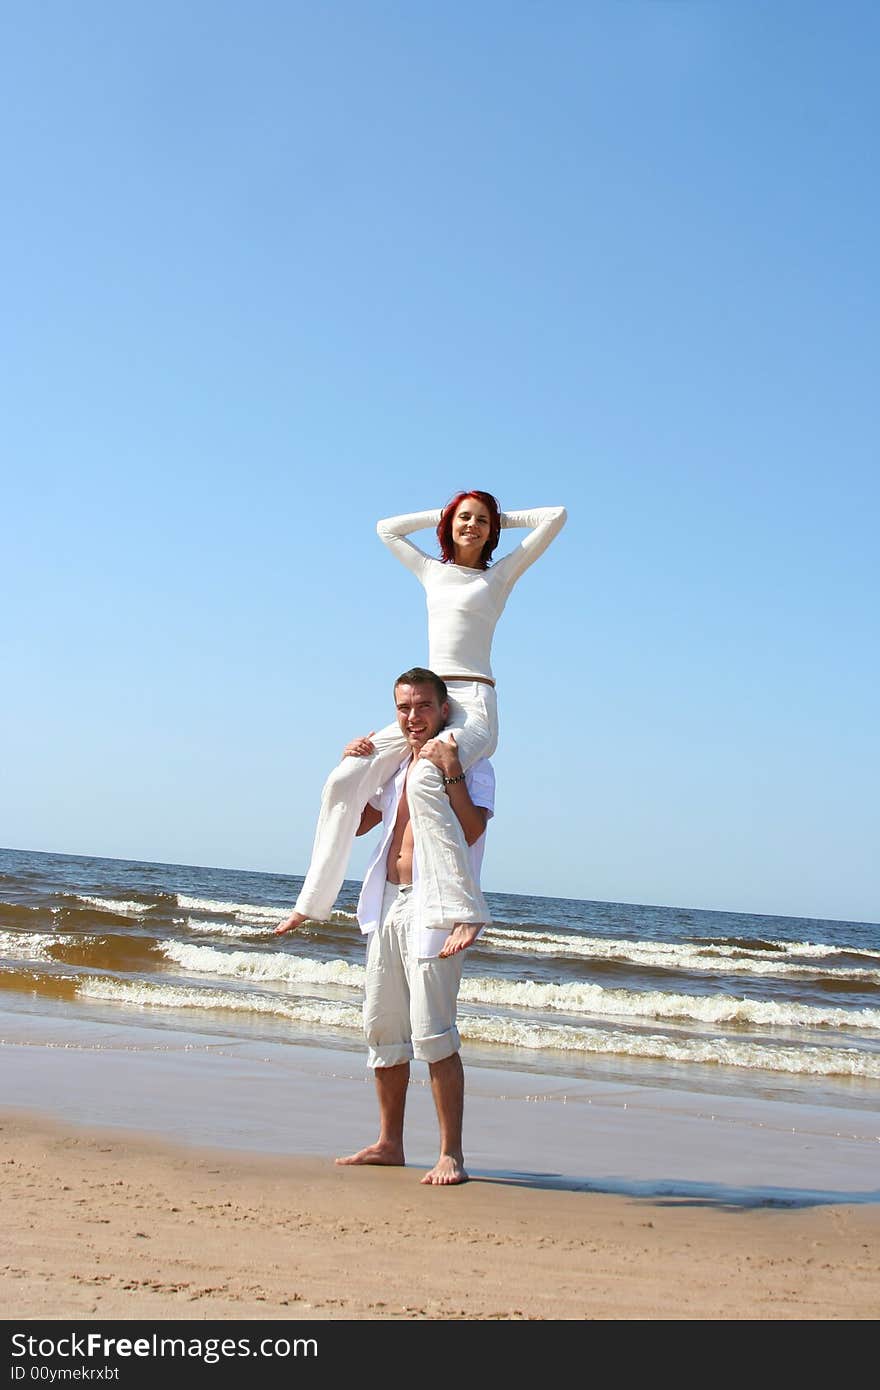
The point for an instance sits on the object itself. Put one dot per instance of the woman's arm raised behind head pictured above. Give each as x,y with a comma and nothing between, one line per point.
544,525
394,530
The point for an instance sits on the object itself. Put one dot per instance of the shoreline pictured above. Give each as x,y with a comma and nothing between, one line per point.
121,1225
583,1134
169,1175
221,1091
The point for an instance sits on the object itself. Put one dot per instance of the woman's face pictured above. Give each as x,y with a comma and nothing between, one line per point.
471,525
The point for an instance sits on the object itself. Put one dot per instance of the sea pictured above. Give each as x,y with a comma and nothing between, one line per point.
719,1002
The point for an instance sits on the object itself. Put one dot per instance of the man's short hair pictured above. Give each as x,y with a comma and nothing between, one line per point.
420,675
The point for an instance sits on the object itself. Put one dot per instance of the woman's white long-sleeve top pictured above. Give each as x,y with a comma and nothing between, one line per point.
464,605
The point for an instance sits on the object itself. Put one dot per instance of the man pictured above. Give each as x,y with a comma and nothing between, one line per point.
413,974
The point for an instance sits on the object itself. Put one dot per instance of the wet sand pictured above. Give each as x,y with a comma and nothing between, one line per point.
121,1225
220,1091
160,1174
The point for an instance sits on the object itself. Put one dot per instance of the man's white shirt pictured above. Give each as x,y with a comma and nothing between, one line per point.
480,782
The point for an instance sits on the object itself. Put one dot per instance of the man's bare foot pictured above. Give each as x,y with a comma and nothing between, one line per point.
463,934
291,923
447,1171
389,1155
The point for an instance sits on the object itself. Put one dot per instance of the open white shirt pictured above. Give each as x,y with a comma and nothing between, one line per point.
480,782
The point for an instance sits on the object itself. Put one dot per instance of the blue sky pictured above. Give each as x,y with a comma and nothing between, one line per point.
276,270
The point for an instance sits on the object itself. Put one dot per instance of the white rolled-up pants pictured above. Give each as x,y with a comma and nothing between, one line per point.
447,891
409,1001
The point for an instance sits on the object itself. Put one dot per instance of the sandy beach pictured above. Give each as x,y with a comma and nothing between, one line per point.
115,1224
157,1173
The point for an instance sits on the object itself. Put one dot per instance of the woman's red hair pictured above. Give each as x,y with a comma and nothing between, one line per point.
444,530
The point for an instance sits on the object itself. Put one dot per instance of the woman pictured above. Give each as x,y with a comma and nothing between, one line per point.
465,599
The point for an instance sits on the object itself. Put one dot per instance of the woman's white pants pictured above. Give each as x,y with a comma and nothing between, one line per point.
446,891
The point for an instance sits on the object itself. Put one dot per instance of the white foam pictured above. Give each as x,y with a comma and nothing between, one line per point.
648,1004
251,912
203,926
818,1061
686,956
144,995
15,945
123,906
595,1000
263,966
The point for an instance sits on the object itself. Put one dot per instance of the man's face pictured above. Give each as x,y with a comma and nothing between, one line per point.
419,713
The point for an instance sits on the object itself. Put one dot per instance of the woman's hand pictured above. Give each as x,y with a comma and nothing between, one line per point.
360,747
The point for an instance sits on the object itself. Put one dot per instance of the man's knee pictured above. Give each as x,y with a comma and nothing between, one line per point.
344,778
385,1055
425,780
438,1047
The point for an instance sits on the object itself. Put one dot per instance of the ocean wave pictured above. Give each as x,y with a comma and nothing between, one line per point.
684,956
816,1061
252,911
315,1011
652,1004
278,966
18,945
243,931
249,912
25,915
281,967
797,948
105,952
43,983
204,926
123,907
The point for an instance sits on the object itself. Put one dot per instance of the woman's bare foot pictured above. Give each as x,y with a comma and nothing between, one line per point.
291,923
463,934
448,1170
389,1155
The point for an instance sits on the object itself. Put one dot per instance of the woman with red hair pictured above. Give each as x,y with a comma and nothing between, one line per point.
465,597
